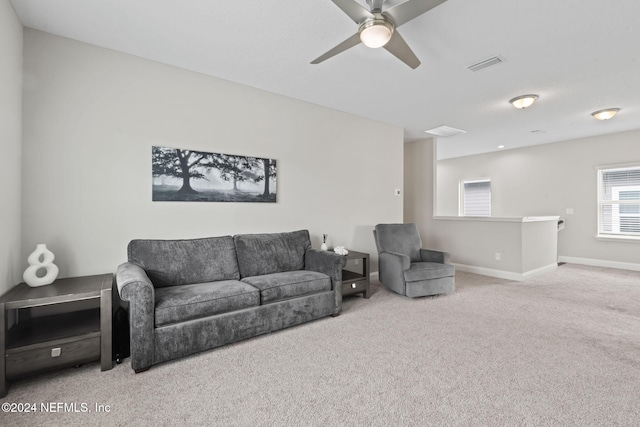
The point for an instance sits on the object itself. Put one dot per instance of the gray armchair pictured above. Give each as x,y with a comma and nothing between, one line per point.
407,269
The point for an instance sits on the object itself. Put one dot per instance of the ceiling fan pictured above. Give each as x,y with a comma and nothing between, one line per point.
378,28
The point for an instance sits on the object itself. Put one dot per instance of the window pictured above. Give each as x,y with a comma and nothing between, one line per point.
619,202
476,197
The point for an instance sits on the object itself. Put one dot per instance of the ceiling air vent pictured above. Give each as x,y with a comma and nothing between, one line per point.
489,62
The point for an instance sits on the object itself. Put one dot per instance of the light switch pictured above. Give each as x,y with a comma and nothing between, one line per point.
55,352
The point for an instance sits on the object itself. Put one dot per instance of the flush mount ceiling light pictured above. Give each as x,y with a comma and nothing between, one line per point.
523,101
376,32
605,114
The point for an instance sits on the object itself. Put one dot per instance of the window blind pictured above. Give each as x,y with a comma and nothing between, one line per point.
619,201
476,198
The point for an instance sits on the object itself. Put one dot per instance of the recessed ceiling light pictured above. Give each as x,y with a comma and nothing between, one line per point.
500,146
605,114
523,101
445,131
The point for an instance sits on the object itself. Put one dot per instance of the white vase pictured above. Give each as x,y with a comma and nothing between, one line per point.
41,258
324,247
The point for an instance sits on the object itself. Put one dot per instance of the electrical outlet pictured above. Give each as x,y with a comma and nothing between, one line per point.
356,262
569,211
498,256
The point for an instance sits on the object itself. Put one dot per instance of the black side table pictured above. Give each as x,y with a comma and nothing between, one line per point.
68,332
356,282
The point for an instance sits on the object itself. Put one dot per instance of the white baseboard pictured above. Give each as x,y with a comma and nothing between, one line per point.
600,263
541,270
502,274
510,275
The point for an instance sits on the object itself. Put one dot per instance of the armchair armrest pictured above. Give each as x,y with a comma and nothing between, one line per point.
135,287
391,267
428,255
331,264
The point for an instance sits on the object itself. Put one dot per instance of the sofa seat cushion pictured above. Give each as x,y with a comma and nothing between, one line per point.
180,303
428,270
280,286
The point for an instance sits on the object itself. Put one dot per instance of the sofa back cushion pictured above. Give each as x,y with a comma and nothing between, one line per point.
271,253
183,262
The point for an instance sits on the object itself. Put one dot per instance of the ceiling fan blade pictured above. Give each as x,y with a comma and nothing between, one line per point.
348,43
405,12
354,10
401,50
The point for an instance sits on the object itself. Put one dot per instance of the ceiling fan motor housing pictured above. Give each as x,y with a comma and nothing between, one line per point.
375,5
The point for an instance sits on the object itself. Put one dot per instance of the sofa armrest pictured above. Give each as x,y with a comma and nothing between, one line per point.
391,267
331,264
428,255
135,287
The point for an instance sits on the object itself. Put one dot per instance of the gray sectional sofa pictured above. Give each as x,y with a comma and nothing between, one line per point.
186,296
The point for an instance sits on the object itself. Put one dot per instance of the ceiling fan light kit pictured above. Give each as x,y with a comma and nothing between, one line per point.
376,32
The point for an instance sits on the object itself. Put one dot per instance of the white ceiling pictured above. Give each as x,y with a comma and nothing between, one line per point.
577,55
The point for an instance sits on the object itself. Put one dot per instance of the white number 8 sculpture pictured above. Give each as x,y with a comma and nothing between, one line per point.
30,275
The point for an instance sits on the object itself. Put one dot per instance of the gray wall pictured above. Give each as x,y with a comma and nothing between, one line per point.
10,138
419,182
471,243
548,180
92,116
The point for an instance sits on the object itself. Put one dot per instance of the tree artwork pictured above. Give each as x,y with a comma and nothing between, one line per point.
269,170
183,164
235,168
190,175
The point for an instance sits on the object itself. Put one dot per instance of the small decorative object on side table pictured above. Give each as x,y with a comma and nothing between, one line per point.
40,259
356,282
62,335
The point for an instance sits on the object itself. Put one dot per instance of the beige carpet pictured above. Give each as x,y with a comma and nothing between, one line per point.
562,349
